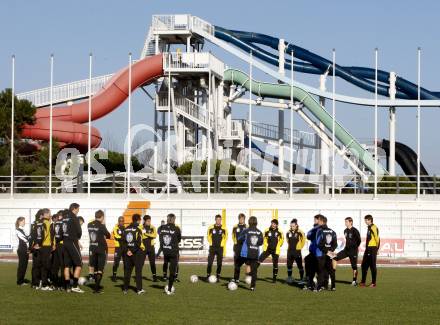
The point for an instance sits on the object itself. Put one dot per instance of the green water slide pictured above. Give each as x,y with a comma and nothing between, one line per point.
283,91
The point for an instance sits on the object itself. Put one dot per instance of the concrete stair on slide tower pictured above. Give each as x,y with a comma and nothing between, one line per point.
133,207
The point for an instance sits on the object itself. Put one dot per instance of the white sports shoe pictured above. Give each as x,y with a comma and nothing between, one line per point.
141,292
354,283
77,290
46,288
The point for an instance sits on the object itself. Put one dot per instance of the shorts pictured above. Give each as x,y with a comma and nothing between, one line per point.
71,254
97,261
352,255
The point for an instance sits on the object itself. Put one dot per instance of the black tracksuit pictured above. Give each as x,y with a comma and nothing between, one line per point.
273,239
217,236
36,240
352,242
236,232
119,248
148,237
170,237
327,242
159,251
41,262
72,233
132,237
57,255
370,255
98,249
23,254
293,251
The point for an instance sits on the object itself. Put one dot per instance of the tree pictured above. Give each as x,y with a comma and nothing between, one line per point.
30,159
23,114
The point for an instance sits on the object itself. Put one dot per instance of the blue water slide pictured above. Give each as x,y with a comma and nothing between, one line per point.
311,63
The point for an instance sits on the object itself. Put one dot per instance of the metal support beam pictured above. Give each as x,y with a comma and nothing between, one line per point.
324,149
321,132
156,44
281,62
392,127
147,93
188,44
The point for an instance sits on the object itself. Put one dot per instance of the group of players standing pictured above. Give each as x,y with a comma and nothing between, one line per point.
320,262
57,261
54,245
56,249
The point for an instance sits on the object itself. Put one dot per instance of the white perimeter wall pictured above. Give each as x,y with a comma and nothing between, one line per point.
408,228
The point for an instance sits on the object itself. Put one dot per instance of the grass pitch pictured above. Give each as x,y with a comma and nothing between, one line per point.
403,296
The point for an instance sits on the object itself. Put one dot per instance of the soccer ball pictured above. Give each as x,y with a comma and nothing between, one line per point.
232,286
248,279
82,281
166,289
212,279
194,278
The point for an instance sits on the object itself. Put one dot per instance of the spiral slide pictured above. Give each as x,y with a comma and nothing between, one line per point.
312,63
283,91
67,122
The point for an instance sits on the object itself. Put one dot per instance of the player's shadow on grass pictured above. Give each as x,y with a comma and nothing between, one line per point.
243,286
158,286
91,285
292,284
147,279
204,279
121,286
343,281
118,278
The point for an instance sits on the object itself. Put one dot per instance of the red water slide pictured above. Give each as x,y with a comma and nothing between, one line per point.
67,127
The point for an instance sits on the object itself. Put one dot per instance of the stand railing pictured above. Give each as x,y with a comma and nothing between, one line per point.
302,183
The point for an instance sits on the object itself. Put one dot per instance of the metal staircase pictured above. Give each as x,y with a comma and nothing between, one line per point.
149,48
192,111
183,106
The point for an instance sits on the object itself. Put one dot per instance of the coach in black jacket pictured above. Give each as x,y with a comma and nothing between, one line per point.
72,233
170,237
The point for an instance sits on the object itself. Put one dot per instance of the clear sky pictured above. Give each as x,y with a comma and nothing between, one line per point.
32,30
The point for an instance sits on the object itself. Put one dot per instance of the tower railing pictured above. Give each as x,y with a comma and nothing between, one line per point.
181,22
198,23
194,61
269,131
171,22
186,107
193,109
